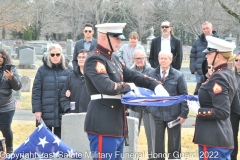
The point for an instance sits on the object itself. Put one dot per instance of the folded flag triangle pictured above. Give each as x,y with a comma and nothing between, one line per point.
43,144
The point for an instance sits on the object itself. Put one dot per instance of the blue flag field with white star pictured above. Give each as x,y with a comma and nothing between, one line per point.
43,144
147,97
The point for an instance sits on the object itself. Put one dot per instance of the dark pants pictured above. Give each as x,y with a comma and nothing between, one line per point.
235,125
5,127
56,131
7,134
106,147
174,140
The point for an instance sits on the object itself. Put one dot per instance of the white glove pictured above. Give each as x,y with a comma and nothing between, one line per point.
193,106
134,88
160,91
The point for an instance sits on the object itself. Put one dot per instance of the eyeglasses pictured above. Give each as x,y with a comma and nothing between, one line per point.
237,60
89,31
57,54
140,58
81,57
165,26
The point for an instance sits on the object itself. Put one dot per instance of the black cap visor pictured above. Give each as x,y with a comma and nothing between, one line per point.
209,50
116,35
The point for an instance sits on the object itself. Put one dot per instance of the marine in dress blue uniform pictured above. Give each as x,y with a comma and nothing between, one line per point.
217,97
105,78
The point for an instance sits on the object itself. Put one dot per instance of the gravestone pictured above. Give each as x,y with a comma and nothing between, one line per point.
69,49
26,83
189,77
22,47
73,134
27,59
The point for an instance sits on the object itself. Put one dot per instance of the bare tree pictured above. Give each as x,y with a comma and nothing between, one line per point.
14,14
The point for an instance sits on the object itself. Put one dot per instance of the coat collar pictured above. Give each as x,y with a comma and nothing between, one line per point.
102,50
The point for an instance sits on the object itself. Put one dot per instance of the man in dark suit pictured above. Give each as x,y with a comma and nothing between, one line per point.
166,42
88,43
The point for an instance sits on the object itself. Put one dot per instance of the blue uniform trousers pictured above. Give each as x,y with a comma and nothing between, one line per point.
211,153
106,147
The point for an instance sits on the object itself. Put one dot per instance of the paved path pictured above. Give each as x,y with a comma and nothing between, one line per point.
27,115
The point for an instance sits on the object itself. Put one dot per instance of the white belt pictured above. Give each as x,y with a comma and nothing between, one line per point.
104,96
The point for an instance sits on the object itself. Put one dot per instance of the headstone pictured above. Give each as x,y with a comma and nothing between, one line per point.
22,47
27,59
73,134
189,77
26,83
69,49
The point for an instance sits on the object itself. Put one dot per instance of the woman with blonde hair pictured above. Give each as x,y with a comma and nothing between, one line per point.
47,87
218,98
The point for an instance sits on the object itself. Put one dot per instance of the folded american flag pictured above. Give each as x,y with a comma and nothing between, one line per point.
149,98
43,144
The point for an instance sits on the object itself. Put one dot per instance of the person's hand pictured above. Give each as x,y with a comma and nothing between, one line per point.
160,91
8,74
68,93
38,116
182,120
17,105
134,88
193,106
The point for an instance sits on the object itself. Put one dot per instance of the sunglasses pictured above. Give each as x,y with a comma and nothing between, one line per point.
209,67
57,54
165,26
237,60
89,31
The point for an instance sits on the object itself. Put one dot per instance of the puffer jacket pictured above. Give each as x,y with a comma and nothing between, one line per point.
46,92
6,88
175,85
197,56
79,93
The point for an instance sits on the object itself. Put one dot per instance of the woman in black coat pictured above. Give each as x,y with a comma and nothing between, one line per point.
75,89
47,88
9,81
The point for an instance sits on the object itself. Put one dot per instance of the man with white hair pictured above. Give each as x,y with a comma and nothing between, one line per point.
105,78
141,112
173,81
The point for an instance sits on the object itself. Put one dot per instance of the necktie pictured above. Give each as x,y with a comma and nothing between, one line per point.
163,76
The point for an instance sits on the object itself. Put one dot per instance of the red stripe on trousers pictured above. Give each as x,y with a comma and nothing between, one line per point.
205,152
100,147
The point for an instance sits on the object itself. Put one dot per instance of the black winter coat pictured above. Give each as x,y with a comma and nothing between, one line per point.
46,92
76,84
6,88
218,96
175,85
197,56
